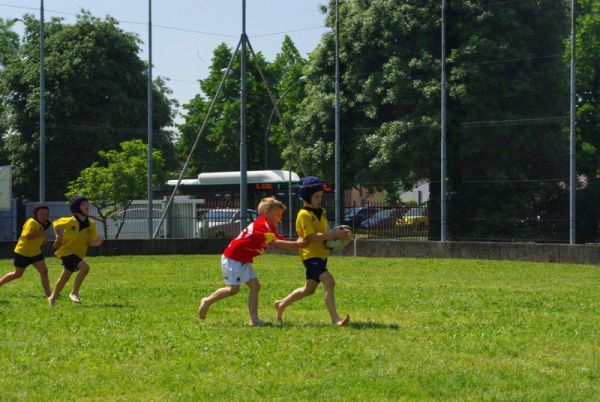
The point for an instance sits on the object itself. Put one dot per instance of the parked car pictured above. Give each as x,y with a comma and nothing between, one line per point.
382,219
222,222
135,224
354,216
414,216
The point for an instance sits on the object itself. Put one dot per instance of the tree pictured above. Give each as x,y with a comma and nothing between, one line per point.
588,119
498,55
9,43
219,149
112,185
287,69
95,99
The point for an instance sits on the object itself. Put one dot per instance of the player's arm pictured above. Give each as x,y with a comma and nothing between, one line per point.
35,234
290,244
96,242
31,230
336,235
58,232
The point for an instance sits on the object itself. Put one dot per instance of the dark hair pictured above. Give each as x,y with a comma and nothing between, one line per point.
39,206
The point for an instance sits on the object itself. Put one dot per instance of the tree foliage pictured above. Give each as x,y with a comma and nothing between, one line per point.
219,145
95,99
9,43
119,179
504,64
588,119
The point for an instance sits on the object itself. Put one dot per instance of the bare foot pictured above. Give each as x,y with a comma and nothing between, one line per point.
279,315
341,323
203,309
259,323
74,298
51,301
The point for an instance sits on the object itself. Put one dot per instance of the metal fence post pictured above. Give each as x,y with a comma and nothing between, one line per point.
443,224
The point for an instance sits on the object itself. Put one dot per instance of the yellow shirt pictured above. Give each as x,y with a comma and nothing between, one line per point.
30,247
308,223
73,240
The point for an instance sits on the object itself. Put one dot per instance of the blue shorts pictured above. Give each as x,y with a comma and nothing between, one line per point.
315,267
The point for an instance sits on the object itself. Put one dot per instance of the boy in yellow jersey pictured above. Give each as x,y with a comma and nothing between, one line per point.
29,248
73,236
311,224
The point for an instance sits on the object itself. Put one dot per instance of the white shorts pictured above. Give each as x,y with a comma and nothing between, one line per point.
235,272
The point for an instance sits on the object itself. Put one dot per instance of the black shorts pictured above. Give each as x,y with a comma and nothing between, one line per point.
70,262
315,267
22,261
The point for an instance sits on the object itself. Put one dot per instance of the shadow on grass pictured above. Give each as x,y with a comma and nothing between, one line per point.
372,325
109,305
4,302
351,324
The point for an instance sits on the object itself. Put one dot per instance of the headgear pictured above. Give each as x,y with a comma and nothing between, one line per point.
75,203
37,207
309,186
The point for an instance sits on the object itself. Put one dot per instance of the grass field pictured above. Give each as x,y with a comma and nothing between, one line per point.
421,330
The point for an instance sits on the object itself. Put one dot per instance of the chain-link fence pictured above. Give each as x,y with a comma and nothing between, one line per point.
507,174
512,138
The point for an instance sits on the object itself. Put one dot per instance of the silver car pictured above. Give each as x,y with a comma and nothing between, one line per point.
222,222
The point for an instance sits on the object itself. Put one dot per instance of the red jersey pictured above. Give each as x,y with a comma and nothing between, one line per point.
253,241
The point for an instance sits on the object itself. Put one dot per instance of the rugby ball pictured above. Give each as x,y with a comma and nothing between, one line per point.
337,244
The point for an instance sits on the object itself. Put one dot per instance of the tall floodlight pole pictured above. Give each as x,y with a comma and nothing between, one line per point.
243,126
275,106
572,144
443,223
42,169
338,180
150,128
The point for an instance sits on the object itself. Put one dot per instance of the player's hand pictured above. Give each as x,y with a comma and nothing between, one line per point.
302,242
342,234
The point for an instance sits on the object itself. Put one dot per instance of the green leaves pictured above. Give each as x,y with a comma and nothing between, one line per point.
120,178
96,92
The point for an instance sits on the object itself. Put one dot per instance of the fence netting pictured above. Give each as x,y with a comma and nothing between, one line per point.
508,110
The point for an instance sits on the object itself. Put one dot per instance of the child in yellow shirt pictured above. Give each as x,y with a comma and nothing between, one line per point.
29,248
311,224
73,236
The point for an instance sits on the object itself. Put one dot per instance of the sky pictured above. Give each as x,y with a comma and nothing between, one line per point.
185,32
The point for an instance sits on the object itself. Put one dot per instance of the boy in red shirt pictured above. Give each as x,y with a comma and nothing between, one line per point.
236,261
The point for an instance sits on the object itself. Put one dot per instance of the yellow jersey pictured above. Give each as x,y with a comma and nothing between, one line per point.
307,223
74,240
30,247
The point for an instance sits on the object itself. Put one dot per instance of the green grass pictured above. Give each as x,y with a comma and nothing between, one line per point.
421,330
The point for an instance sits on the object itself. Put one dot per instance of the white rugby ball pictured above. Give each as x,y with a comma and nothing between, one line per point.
337,244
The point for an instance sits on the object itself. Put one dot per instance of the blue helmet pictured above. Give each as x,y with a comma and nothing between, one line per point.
309,186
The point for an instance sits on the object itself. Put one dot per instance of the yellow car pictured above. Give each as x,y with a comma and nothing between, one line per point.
414,216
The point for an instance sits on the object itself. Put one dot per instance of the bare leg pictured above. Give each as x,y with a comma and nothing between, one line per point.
11,276
43,271
217,295
254,286
60,284
329,284
84,269
308,289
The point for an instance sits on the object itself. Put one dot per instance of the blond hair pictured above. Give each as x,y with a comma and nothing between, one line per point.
268,203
